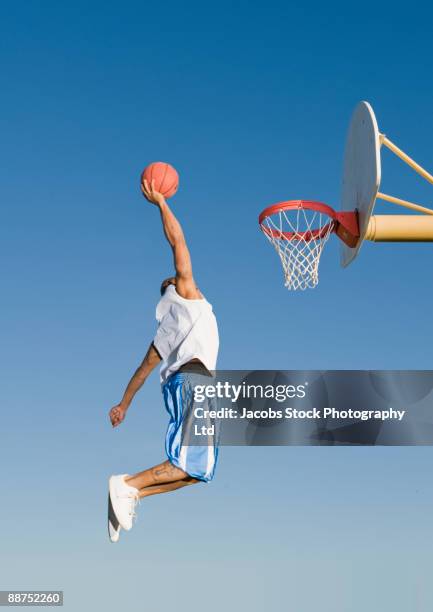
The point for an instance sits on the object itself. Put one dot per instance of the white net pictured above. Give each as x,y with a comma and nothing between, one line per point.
298,235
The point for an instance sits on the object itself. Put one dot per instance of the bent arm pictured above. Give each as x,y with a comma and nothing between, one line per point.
143,371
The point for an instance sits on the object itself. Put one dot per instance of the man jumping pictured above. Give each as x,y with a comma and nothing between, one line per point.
187,343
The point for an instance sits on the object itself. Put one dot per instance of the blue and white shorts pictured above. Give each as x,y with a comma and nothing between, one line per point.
197,461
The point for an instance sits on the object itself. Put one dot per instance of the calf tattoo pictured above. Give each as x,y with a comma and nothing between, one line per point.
165,472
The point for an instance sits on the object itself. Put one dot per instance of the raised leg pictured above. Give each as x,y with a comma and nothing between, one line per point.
159,474
167,487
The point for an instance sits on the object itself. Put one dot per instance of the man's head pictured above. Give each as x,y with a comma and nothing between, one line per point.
165,283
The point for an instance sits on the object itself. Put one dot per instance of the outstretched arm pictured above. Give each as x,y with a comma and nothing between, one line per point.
151,360
185,284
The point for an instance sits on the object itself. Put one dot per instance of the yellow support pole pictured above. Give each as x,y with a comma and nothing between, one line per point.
400,228
411,205
408,160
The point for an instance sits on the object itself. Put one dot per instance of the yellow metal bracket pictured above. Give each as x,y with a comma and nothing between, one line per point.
413,164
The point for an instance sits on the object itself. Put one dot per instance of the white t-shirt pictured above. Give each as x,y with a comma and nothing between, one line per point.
187,330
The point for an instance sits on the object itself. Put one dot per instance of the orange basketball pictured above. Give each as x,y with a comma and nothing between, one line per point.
165,176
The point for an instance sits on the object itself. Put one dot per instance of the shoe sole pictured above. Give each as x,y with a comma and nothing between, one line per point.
112,520
111,503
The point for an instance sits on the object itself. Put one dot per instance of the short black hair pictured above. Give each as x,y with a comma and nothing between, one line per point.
171,280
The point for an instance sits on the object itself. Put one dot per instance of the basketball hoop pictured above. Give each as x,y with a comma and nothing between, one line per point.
299,230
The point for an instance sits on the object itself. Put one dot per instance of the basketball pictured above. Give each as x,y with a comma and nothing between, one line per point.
165,176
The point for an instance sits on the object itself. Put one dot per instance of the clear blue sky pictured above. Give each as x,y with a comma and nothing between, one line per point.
250,102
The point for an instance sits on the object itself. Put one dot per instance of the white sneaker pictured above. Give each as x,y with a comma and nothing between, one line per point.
123,500
113,524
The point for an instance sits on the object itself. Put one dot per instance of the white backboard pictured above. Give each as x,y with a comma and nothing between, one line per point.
361,173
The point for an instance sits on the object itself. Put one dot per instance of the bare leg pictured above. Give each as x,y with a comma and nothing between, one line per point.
167,487
159,474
